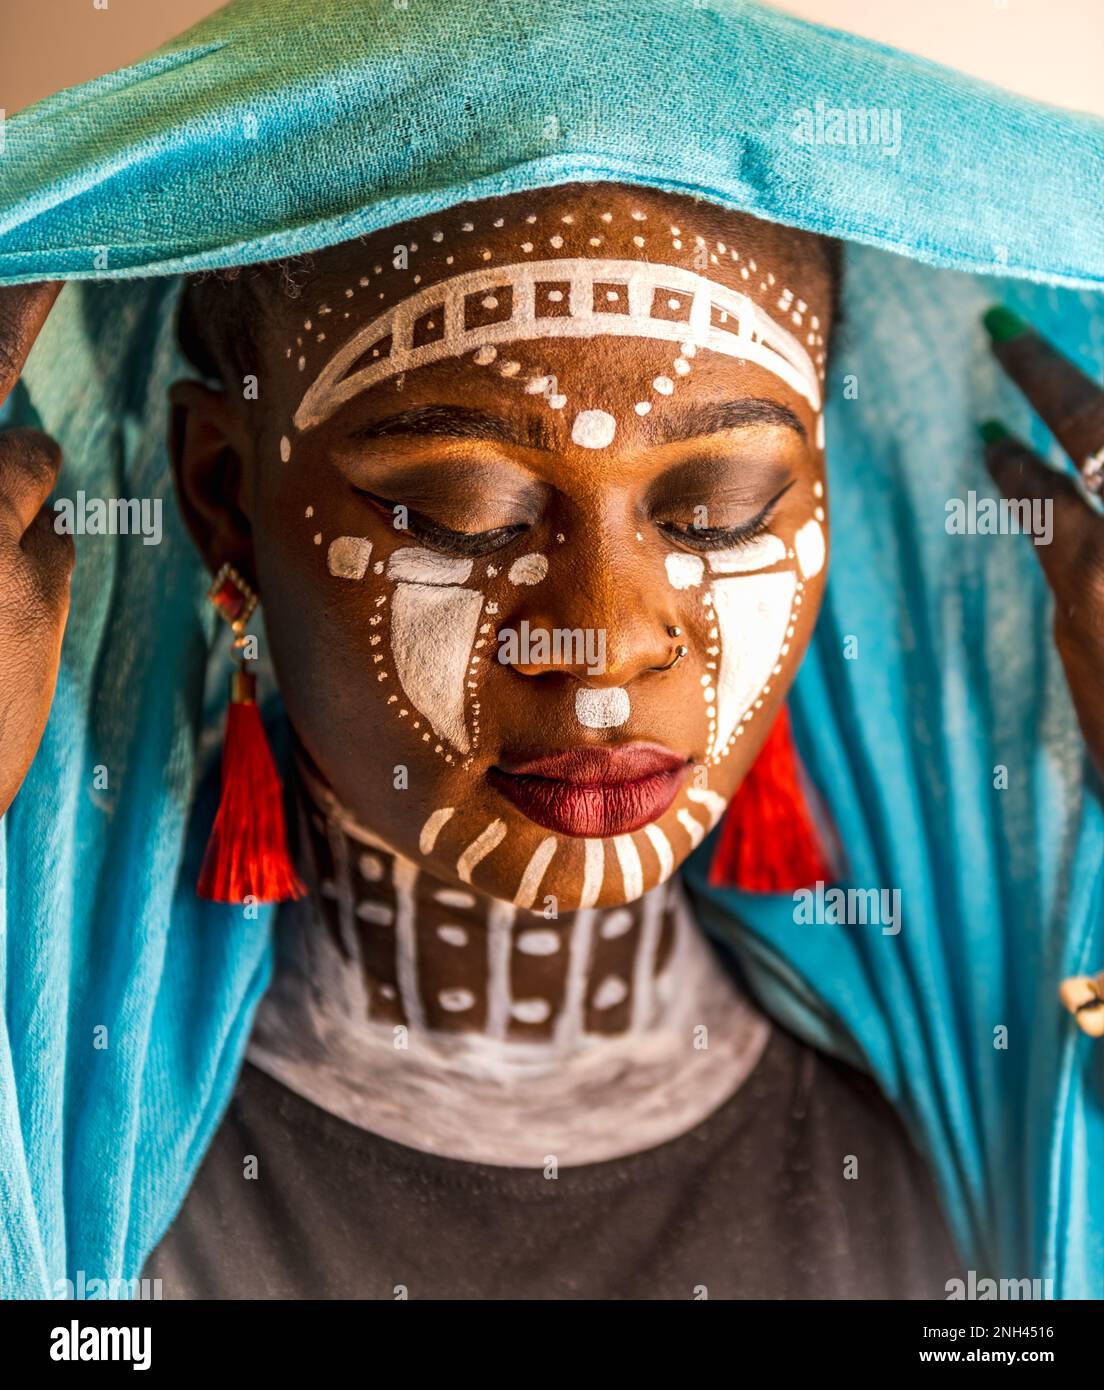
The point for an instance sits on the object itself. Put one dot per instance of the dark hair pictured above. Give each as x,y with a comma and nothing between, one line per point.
221,313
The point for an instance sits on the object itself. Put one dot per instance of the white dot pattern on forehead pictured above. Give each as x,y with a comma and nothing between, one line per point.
593,429
743,330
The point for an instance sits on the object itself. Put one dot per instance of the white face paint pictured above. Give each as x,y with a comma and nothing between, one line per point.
593,429
420,566
348,556
529,569
601,708
433,630
753,614
758,554
434,619
710,316
684,571
809,545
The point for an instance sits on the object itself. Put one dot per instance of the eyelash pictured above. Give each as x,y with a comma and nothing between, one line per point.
708,538
477,543
432,533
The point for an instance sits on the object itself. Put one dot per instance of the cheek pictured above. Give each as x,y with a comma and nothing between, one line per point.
751,626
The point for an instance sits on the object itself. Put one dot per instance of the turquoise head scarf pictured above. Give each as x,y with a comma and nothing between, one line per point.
275,128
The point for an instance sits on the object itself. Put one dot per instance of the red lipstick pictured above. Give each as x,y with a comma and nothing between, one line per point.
593,791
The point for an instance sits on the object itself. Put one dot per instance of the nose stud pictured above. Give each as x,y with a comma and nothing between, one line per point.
680,651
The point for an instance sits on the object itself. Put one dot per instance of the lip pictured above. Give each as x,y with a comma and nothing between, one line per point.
593,791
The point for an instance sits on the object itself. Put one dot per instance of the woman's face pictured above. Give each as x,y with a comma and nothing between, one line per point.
505,464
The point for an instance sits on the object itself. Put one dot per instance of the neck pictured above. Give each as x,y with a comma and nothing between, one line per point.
468,1027
440,958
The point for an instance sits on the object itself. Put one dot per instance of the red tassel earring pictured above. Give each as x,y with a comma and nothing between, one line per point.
768,841
247,856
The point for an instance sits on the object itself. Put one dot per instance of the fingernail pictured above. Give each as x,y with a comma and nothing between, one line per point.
1002,324
993,430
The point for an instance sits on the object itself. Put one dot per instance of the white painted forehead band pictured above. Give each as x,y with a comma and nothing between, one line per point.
433,323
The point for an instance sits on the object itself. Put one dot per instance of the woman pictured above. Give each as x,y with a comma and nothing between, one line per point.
306,485
602,442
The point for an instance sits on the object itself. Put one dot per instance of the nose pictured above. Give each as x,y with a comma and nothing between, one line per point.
592,620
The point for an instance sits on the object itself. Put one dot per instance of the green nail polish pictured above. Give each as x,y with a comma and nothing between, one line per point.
992,430
1002,324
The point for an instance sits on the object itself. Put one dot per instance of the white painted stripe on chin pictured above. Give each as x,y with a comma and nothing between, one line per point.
712,801
534,872
691,826
594,863
662,847
604,708
479,848
433,827
632,876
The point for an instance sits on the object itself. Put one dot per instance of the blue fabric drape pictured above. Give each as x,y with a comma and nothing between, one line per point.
281,127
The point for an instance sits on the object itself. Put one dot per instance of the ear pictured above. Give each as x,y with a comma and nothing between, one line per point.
210,454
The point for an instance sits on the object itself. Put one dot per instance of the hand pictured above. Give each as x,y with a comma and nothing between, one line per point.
1072,405
35,561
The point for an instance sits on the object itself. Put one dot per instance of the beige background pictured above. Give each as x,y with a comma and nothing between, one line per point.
1049,49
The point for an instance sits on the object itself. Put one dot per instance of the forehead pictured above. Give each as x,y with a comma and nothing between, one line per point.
562,266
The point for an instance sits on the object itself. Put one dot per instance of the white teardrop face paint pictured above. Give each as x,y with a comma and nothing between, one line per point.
753,614
601,708
433,630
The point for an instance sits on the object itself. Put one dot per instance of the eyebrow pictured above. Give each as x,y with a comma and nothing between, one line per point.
465,422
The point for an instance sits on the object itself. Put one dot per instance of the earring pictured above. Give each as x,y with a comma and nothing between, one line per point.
247,856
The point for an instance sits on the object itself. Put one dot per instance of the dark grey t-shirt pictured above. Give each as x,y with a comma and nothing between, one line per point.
803,1185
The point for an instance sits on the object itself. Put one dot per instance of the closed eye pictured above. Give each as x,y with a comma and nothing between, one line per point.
444,538
706,538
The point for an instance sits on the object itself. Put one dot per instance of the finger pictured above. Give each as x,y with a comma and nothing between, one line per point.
52,554
1070,403
29,464
1068,534
23,311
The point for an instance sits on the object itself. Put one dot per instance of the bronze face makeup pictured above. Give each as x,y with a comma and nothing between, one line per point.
558,428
